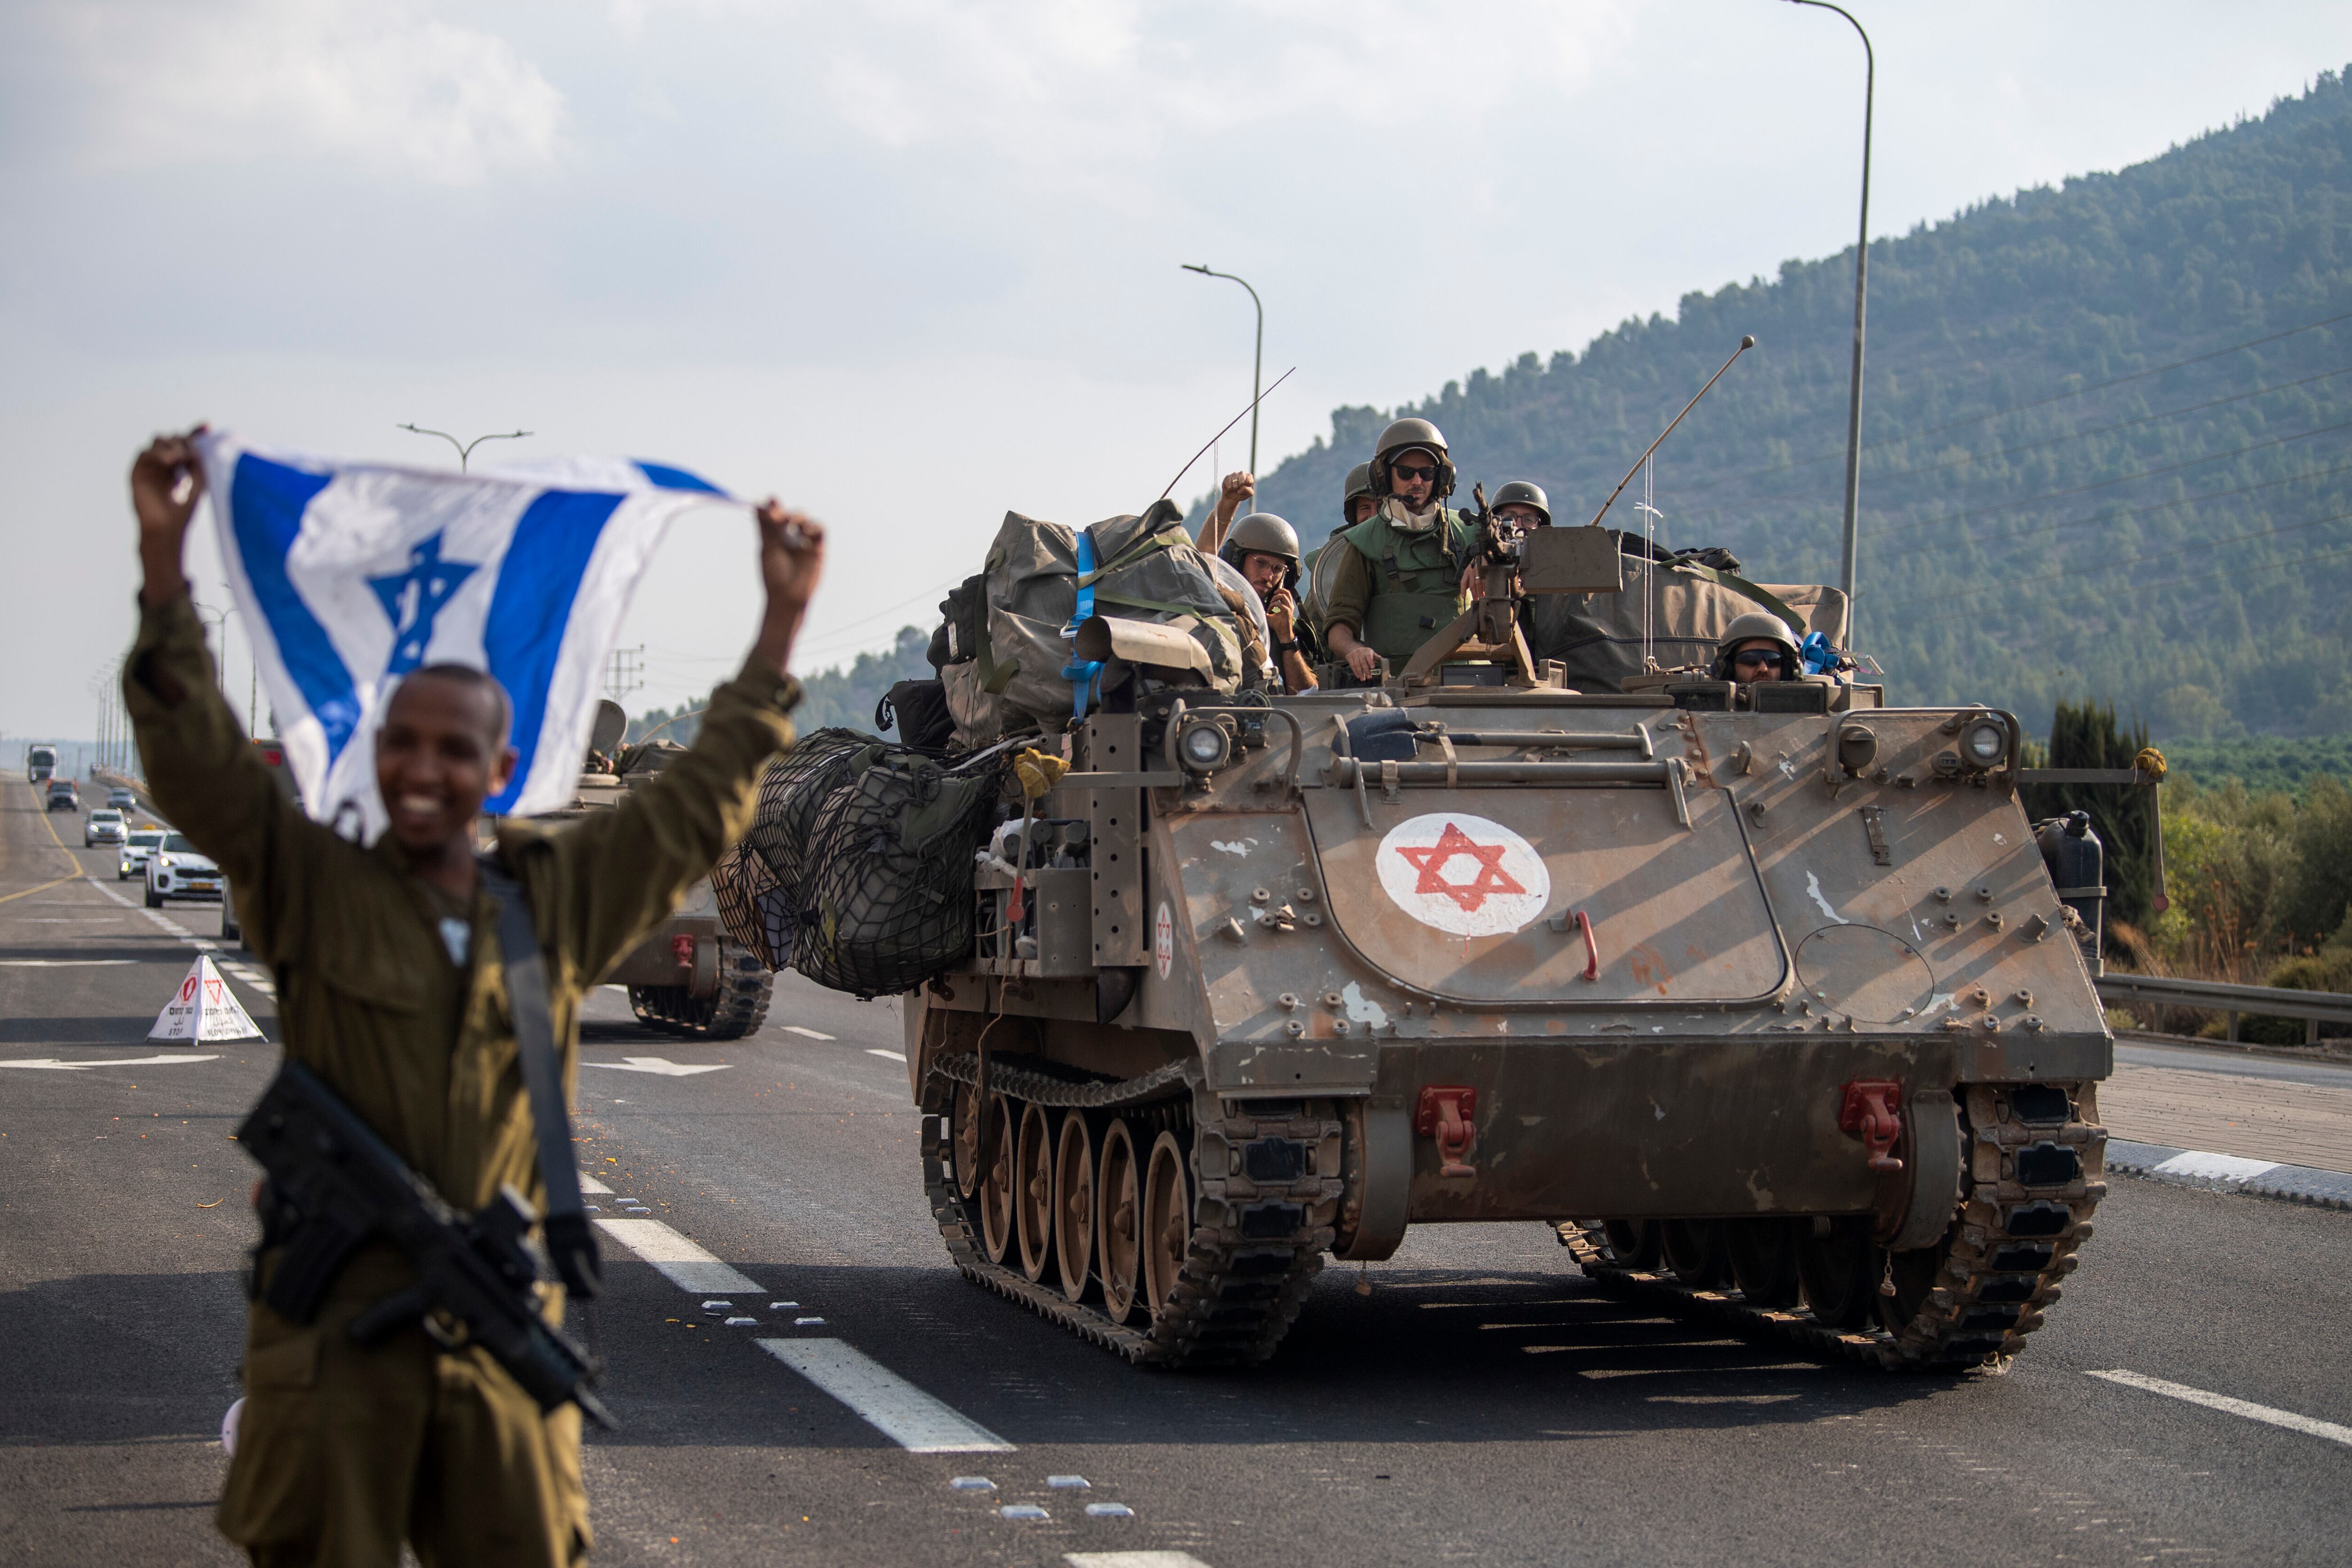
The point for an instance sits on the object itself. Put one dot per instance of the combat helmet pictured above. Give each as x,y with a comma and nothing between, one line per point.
1360,483
1523,492
1263,534
1400,435
1750,627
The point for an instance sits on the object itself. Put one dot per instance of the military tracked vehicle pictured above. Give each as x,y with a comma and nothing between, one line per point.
688,976
1762,997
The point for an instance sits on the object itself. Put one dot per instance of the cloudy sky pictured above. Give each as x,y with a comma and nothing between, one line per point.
911,262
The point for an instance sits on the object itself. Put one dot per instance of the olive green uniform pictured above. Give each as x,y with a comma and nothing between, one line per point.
344,1452
1398,586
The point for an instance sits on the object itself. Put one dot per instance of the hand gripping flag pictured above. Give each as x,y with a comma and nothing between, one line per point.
351,575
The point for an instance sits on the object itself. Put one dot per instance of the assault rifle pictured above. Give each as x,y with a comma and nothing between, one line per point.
333,1182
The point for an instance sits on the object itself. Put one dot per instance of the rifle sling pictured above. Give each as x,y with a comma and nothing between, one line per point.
571,1241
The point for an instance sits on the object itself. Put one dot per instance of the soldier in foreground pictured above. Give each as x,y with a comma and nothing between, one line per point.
392,991
1400,581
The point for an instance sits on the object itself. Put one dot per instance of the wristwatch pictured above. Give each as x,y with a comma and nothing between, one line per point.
1290,646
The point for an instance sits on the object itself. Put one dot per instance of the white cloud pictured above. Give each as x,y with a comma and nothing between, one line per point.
386,84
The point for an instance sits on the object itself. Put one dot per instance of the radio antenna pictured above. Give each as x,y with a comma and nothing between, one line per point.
1246,413
1745,344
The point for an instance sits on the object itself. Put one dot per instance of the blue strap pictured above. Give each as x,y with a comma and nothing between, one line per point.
1081,675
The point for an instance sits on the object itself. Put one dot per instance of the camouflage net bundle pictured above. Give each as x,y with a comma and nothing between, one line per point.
760,882
857,870
890,882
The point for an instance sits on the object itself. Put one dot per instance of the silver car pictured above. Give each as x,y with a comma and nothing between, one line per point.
137,847
178,871
122,799
102,826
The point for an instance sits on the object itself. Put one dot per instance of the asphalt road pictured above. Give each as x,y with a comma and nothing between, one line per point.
1481,1404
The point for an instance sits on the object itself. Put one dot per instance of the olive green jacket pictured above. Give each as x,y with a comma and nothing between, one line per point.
368,998
1396,588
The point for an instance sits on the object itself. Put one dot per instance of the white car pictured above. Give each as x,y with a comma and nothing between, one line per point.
137,847
102,826
175,870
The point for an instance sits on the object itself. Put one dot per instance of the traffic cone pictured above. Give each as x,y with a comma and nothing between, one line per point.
202,1008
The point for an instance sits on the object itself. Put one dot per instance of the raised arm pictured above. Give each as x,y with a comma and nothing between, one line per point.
199,762
1237,488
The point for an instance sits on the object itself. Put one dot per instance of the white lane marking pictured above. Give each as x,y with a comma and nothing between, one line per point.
878,1052
589,1184
1131,1559
2215,1167
660,1065
51,1064
173,929
62,962
885,1401
812,1034
684,1264
2306,1424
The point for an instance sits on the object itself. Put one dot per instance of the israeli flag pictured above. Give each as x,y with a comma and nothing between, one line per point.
352,574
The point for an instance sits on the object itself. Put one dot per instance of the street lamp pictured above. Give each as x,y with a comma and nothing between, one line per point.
1861,296
1257,361
464,448
220,618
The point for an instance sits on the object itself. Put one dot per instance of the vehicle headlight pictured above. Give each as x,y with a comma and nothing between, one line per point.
1985,743
1204,746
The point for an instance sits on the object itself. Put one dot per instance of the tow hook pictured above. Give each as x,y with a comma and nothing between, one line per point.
1444,1114
1874,1107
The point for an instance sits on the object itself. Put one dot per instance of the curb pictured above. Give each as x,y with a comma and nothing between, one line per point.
2230,1173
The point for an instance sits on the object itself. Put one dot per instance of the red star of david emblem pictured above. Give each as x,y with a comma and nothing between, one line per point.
1471,895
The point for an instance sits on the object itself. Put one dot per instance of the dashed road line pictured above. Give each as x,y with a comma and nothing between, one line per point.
885,1401
810,1034
236,968
880,1397
2308,1426
590,1185
682,1262
53,1065
878,1052
1132,1559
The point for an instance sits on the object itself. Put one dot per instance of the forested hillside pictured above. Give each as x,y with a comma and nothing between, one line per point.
2108,435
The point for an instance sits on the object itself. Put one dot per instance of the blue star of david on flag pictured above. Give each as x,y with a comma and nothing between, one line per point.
414,597
353,575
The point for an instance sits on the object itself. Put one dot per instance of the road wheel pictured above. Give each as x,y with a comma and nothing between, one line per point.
1695,1253
1835,1269
1636,1242
1764,1260
1033,1192
1074,1205
1167,1220
996,1196
1118,1222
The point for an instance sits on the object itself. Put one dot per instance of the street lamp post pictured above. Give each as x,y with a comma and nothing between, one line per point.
464,448
1861,297
1258,360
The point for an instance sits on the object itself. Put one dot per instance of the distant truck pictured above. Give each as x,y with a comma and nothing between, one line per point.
40,762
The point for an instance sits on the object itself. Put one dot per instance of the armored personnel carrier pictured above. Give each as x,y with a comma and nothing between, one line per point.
1763,998
688,976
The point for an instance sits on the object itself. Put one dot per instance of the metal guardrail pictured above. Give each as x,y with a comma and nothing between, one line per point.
2314,1007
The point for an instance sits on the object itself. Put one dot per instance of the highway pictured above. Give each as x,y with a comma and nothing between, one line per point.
1480,1405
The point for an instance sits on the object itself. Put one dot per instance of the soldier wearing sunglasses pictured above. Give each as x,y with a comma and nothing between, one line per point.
1756,647
1400,581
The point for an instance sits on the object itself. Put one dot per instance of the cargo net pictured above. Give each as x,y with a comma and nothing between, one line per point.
857,869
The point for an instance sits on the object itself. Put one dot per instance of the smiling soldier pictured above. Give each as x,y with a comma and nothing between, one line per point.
392,990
